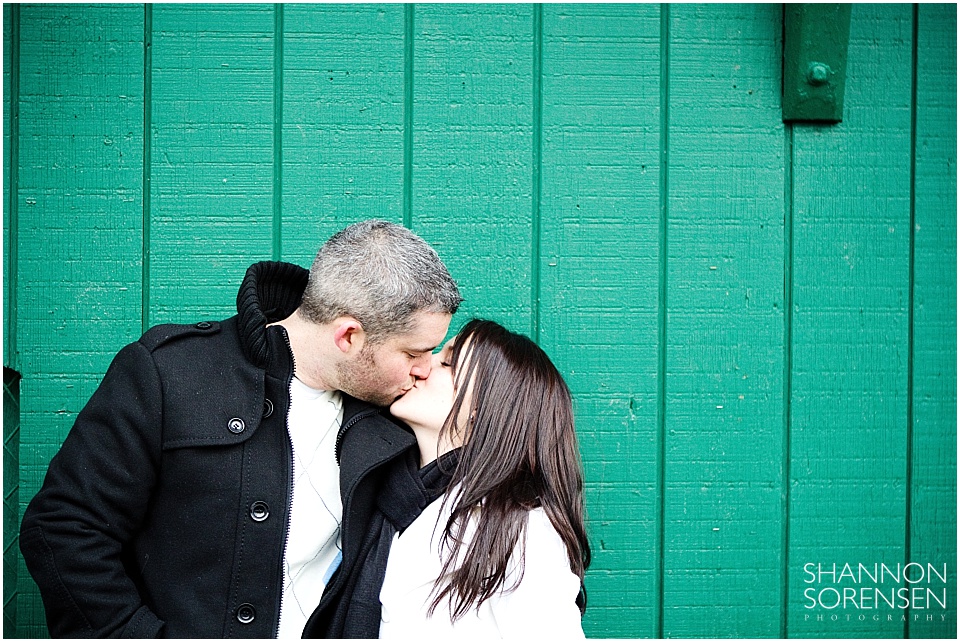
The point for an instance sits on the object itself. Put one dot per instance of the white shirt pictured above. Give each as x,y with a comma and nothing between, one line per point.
313,539
543,606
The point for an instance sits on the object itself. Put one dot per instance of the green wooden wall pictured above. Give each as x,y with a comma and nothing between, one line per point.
758,320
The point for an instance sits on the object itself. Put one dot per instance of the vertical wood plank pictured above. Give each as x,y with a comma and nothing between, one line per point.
342,121
599,284
11,103
79,201
933,517
725,264
472,152
212,154
850,329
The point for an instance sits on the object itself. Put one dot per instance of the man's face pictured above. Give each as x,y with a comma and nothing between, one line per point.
382,372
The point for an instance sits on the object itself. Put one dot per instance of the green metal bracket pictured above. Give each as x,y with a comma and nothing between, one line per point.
815,38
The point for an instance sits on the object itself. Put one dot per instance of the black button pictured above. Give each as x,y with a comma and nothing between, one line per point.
246,613
204,325
236,425
259,511
267,408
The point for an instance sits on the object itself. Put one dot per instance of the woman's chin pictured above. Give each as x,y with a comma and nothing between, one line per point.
396,409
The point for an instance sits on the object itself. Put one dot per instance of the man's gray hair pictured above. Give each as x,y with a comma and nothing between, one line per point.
381,274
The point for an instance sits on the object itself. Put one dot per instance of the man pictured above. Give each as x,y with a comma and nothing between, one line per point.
199,492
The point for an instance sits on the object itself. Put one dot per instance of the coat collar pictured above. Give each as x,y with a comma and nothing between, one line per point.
390,431
271,291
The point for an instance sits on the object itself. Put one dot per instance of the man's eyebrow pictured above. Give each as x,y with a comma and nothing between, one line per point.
422,349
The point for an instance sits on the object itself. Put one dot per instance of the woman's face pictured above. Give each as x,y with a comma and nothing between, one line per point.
428,403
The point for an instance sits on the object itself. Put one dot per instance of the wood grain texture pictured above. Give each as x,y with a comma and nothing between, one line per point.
472,152
850,326
79,201
599,272
212,151
343,78
933,489
11,56
725,265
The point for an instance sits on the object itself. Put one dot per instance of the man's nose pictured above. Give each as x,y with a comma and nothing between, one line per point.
421,368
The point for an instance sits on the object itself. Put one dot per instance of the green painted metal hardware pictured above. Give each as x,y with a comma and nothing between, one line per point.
815,61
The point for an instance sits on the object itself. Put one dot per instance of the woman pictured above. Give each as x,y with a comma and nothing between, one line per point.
503,552
478,530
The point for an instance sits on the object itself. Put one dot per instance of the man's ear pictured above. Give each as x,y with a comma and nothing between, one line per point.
349,335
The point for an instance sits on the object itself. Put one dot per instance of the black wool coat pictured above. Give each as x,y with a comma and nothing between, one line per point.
165,512
351,604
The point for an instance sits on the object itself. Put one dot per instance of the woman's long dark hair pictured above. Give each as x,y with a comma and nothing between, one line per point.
520,452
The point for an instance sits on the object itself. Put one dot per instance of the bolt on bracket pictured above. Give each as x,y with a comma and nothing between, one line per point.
815,38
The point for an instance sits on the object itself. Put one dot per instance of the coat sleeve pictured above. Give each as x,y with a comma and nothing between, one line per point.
543,605
76,531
